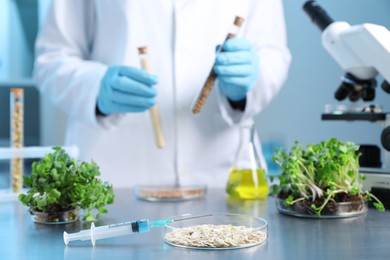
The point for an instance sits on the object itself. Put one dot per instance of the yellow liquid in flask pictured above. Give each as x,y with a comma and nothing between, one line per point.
242,186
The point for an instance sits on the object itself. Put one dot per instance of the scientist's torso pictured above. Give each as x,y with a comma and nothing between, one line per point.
181,37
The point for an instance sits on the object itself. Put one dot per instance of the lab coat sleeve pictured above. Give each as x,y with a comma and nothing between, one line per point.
265,28
62,69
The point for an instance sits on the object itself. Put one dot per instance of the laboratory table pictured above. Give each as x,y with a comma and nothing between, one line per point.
363,237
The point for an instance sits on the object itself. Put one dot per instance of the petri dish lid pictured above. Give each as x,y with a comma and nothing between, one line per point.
169,193
331,211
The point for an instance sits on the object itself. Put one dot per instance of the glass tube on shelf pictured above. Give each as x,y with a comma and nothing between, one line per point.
16,127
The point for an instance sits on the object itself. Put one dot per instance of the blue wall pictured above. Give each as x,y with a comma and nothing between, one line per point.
4,24
18,28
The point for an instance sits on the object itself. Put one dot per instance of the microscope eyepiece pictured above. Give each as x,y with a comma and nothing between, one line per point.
368,93
386,86
317,14
343,91
355,89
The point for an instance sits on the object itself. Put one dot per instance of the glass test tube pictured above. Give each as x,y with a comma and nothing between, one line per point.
154,111
208,85
16,127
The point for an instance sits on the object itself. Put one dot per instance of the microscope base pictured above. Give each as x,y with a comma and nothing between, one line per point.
378,183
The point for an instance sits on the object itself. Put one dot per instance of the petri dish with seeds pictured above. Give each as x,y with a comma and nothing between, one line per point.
169,193
218,231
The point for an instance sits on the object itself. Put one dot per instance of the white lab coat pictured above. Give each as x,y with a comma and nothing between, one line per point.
81,38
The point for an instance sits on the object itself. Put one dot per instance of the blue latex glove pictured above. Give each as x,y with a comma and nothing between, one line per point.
237,67
126,89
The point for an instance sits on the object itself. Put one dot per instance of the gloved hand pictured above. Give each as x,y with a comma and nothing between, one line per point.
126,89
237,68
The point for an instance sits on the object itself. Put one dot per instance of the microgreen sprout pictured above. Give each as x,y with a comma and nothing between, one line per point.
320,172
60,183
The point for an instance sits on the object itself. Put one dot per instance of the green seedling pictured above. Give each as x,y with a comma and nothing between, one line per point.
319,173
60,183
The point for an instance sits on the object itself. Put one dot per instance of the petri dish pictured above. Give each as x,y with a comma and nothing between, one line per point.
219,231
63,217
169,193
331,210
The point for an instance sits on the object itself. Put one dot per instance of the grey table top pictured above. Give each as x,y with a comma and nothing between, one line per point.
363,237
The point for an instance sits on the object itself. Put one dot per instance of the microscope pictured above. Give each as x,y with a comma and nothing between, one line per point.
363,52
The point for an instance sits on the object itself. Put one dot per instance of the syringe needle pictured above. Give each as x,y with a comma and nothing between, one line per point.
192,217
163,222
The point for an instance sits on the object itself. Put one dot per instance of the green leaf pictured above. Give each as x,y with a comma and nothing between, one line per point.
103,210
379,206
41,204
23,198
289,200
89,218
58,164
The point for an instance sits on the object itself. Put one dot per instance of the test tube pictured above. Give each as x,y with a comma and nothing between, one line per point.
208,85
154,111
16,127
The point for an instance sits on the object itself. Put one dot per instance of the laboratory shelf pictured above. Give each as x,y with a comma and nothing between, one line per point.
17,82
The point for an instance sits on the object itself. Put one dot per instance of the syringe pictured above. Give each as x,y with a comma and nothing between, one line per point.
121,229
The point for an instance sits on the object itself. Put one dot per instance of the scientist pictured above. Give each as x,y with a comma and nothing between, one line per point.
87,64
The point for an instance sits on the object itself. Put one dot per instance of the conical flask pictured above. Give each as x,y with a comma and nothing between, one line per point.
247,179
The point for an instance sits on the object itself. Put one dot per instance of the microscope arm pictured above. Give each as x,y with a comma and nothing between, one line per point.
362,50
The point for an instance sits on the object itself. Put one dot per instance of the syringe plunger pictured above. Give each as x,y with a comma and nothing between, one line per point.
114,230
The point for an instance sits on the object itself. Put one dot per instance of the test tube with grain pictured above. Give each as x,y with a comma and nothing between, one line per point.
154,111
16,126
208,85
